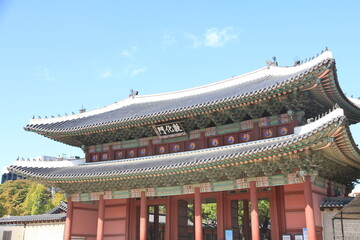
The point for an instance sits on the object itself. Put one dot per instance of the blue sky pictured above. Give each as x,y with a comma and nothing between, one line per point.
56,56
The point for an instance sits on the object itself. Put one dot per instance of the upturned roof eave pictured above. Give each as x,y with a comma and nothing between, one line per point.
39,126
327,90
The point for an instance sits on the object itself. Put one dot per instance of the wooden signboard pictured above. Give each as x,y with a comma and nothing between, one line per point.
169,129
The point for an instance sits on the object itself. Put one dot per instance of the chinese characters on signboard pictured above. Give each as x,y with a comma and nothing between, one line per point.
169,129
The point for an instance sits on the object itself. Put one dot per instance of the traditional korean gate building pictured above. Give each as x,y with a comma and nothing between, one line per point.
277,133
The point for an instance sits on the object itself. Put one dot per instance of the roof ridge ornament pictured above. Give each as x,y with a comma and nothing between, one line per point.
133,93
82,109
270,63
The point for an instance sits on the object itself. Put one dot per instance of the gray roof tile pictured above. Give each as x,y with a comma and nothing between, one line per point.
56,214
33,218
335,202
154,108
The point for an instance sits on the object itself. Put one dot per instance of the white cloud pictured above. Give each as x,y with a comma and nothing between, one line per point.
196,42
168,40
137,71
45,74
128,71
130,52
125,71
215,37
106,74
218,38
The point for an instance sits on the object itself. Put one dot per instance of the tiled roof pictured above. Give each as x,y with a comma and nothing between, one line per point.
61,208
155,163
33,218
56,214
148,107
178,161
350,210
335,202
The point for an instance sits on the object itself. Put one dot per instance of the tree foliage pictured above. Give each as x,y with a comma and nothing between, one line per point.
58,197
24,197
38,200
12,195
209,212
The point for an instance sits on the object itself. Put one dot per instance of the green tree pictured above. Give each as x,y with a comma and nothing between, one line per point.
209,212
264,215
38,200
24,197
58,197
12,195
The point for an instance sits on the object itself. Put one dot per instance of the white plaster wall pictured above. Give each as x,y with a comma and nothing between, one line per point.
351,227
17,231
41,231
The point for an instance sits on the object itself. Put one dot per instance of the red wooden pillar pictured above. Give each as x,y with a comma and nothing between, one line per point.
156,222
274,215
143,216
69,217
220,216
132,218
168,218
100,224
174,226
128,209
227,210
255,231
246,219
280,200
198,217
309,209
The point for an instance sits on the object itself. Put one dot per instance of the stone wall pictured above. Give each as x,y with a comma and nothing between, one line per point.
351,227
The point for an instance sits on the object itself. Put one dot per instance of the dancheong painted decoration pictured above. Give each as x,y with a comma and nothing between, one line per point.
276,137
